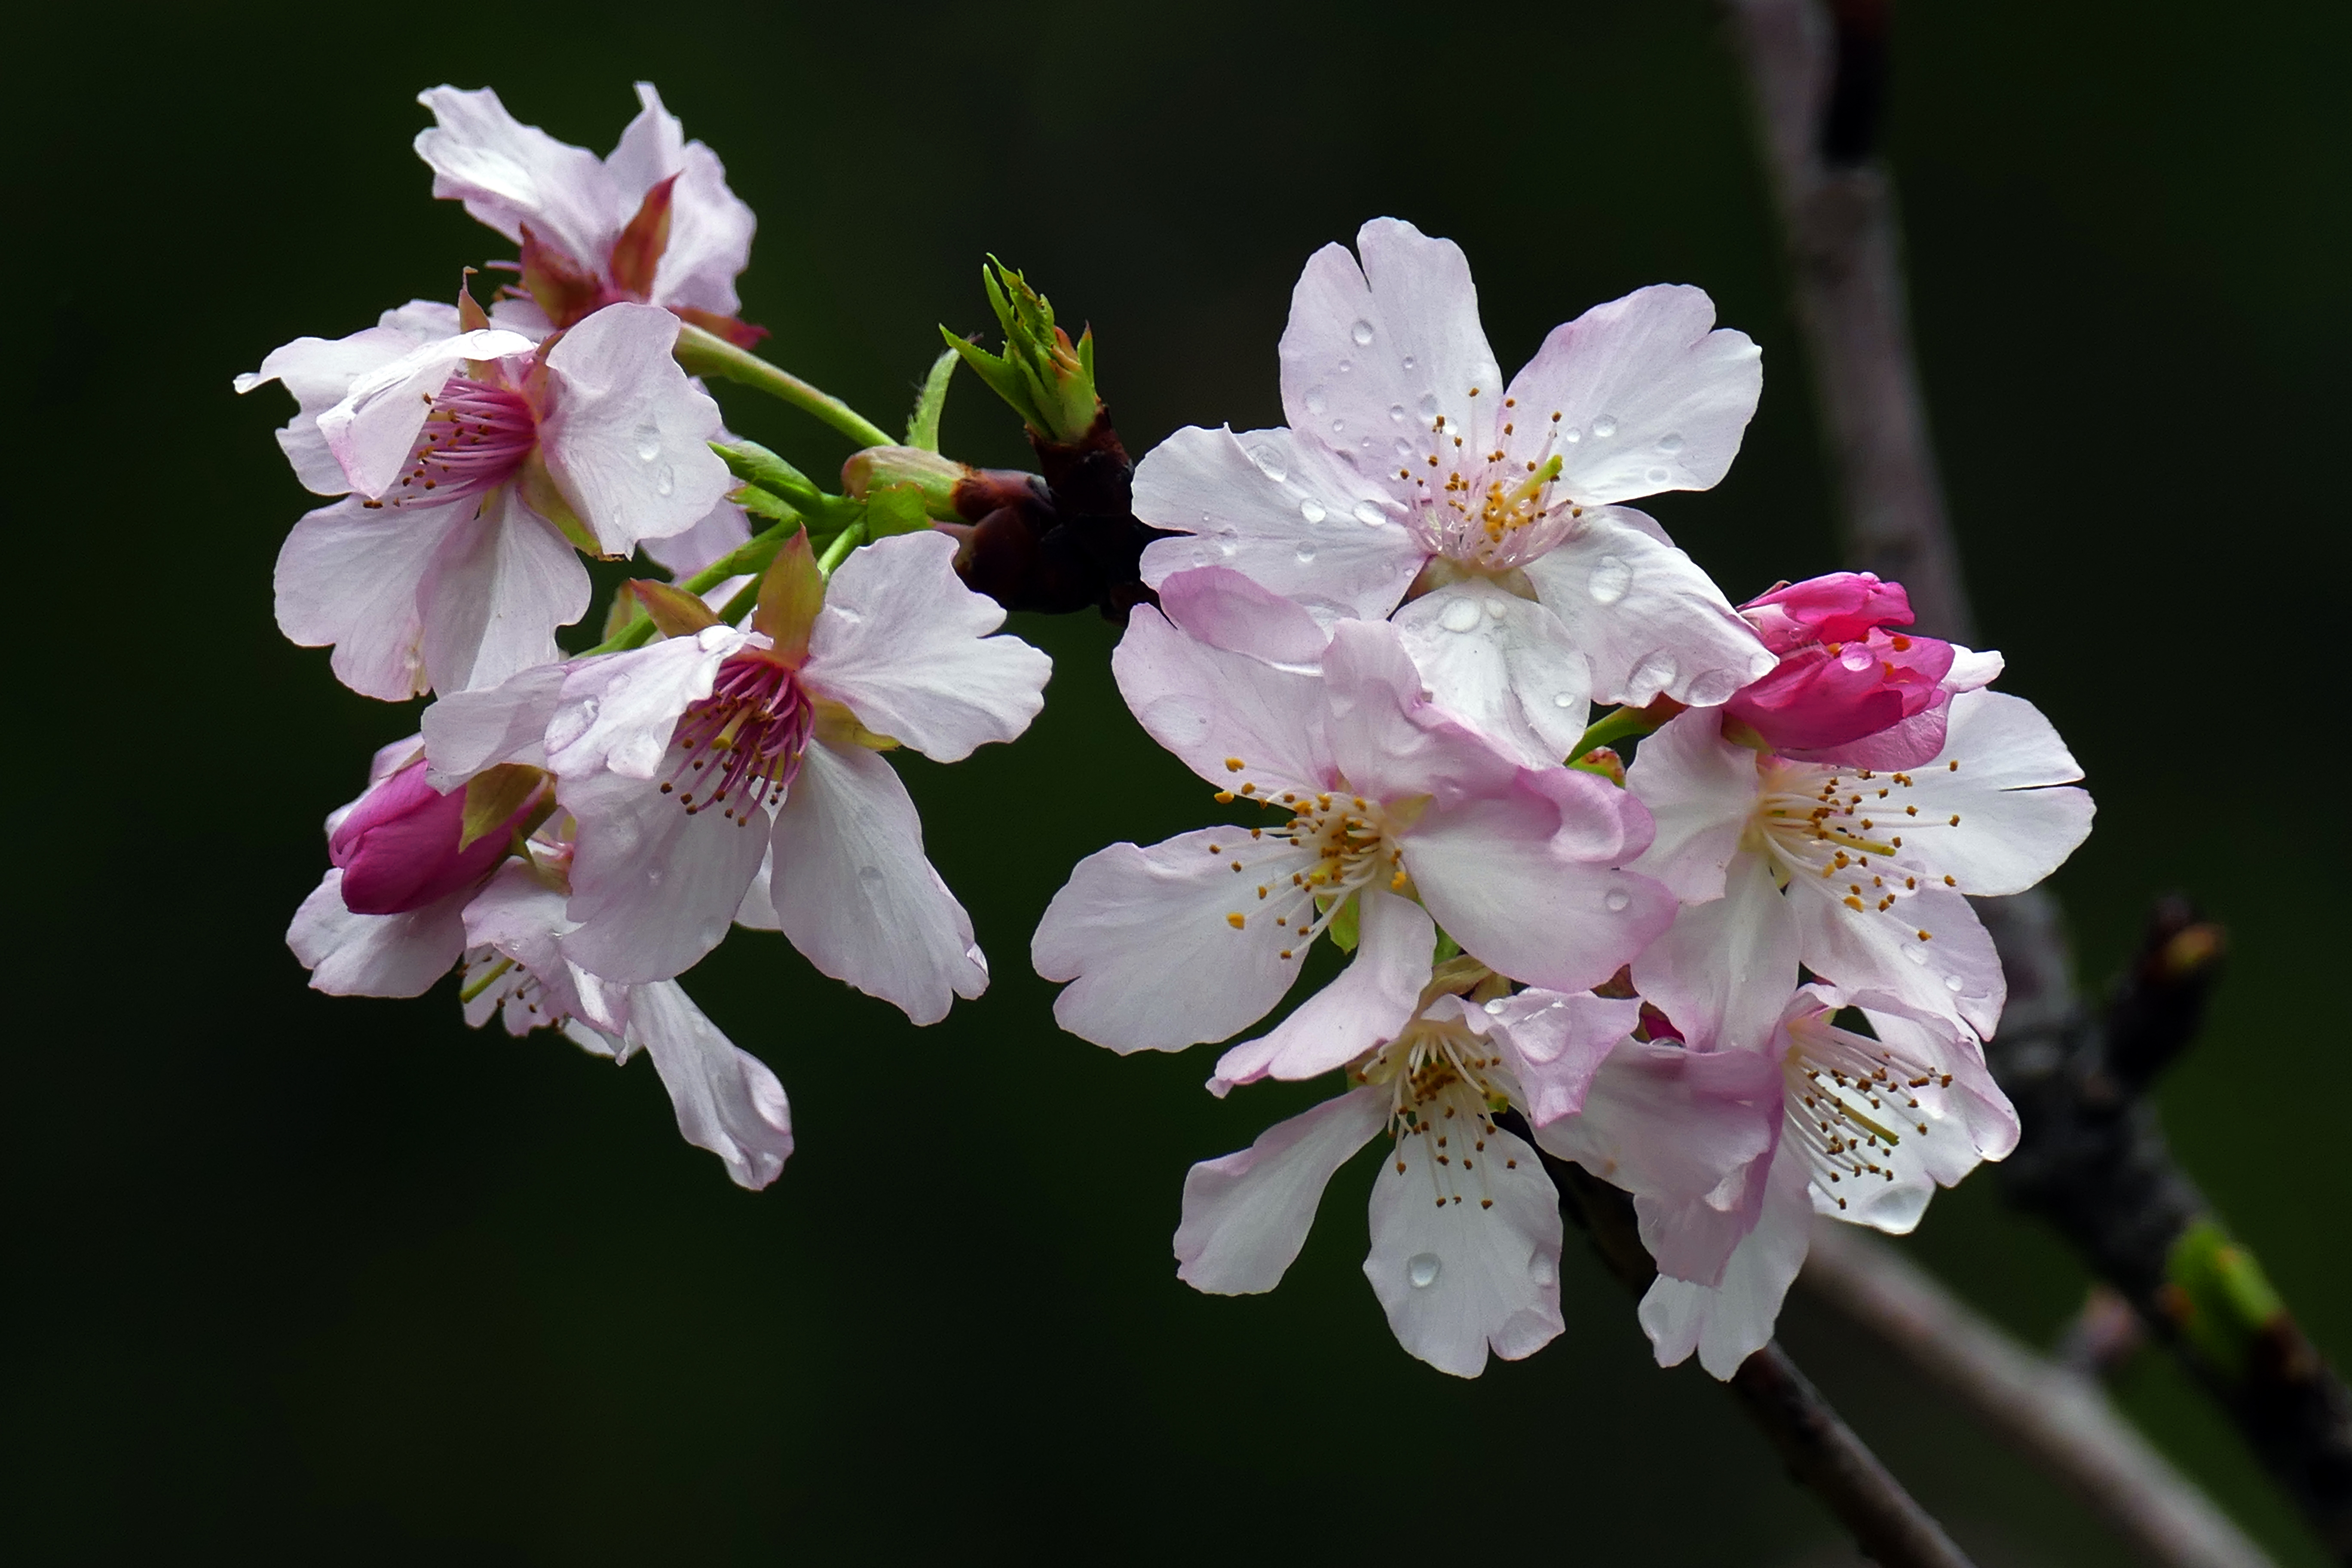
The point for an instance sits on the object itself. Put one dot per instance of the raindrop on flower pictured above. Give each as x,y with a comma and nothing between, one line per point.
1617,900
1429,405
1857,659
1659,476
1315,401
1494,1006
1605,427
665,480
1408,361
1422,1269
1714,689
1565,699
1338,426
1952,983
1370,514
1305,555
648,443
1497,609
1915,952
1655,673
1611,577
1670,443
1311,510
1269,463
870,875
1460,615
1396,413
1543,1268
1362,332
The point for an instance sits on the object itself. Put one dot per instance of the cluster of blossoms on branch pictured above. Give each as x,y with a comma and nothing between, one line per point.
1629,875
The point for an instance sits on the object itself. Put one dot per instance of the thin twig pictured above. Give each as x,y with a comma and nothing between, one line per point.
1821,1451
2092,1159
2060,1420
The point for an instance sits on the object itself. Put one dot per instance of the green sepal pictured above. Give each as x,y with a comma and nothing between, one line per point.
1345,928
923,425
495,795
764,503
754,464
896,509
1446,948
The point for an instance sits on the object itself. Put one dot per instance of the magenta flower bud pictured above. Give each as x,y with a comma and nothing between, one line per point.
1843,606
398,848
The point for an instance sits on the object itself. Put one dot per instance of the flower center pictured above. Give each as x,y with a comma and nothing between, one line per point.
739,747
1495,509
476,437
1851,1101
1845,827
1444,1094
1350,837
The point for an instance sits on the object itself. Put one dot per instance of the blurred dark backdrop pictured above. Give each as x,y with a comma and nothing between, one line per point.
288,1275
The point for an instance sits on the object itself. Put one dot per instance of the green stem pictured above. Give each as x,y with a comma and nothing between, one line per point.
1620,724
707,353
750,558
847,540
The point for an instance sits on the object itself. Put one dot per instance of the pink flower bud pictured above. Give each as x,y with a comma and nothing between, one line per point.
1843,677
398,846
1840,608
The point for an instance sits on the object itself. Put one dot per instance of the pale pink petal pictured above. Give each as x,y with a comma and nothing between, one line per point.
376,955
1513,880
1466,1257
1502,663
521,915
510,174
854,891
626,435
1266,507
2013,829
1731,1322
709,227
319,372
1700,789
905,647
1553,1042
1653,399
1972,1104
726,1100
1209,705
653,887
1247,1214
620,712
1650,619
348,576
1953,973
1220,606
1387,742
1369,1004
720,533
373,428
494,593
466,731
1725,969
1149,940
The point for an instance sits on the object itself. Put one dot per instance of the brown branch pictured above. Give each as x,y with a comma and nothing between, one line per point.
1821,1451
2092,1159
2058,1419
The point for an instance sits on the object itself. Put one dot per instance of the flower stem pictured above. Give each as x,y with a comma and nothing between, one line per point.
750,558
847,540
707,353
1623,723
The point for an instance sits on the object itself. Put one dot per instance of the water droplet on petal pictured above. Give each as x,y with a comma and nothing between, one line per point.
1658,476
1422,1269
1338,426
1565,698
648,443
1857,659
1670,443
1307,555
1228,549
1403,448
870,875
1915,952
1952,983
1346,366
1396,413
1543,1268
1497,609
1617,900
1316,400
1311,510
1370,514
1494,1006
1605,427
1655,673
1429,405
1714,689
1269,463
1570,436
1460,615
588,706
1610,578
1409,362
665,480
1362,332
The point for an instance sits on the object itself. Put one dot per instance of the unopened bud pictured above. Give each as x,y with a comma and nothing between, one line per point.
887,467
1047,379
403,846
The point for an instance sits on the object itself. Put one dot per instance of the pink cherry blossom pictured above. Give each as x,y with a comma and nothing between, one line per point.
1862,876
670,756
654,223
402,845
476,462
1384,802
1410,467
1466,1229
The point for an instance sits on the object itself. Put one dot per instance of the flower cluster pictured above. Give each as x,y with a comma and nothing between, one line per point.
1738,977
571,834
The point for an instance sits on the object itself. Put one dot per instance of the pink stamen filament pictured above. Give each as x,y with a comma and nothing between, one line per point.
745,739
476,437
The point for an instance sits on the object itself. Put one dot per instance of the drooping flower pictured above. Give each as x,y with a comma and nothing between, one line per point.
1851,687
477,463
653,224
1409,466
1386,805
696,762
1861,1129
1861,875
1466,1229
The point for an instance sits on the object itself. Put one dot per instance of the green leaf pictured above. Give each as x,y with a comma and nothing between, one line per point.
923,425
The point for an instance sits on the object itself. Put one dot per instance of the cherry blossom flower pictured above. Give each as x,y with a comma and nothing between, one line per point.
477,463
653,224
670,754
1466,1229
404,845
1861,875
1863,1129
1409,469
1387,805
1847,689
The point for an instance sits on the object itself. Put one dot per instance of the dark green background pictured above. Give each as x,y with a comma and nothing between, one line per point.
290,1275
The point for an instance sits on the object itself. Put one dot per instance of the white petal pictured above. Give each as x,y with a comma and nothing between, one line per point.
1247,1214
854,891
373,428
466,731
510,174
721,531
319,372
1725,969
1504,664
709,227
726,1100
348,576
494,593
653,887
1207,704
1658,401
1464,1259
376,955
1146,939
1369,1004
905,645
1955,973
1331,540
1554,1043
1387,742
1652,622
620,712
2014,828
1730,1322
628,436
1220,606
1700,789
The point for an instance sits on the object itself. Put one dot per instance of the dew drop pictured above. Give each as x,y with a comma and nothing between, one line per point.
1495,1006
588,708
1952,983
1543,1268
1565,699
1658,476
1362,332
1460,615
1370,514
648,443
1714,689
1497,609
1605,427
1403,448
1670,443
1305,555
1311,510
1857,659
1317,402
1421,1270
1429,405
870,875
1915,952
665,480
1611,577
1655,673
1269,463
1571,435
1338,426
1346,366
1228,549
1410,362
1396,413
1617,900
